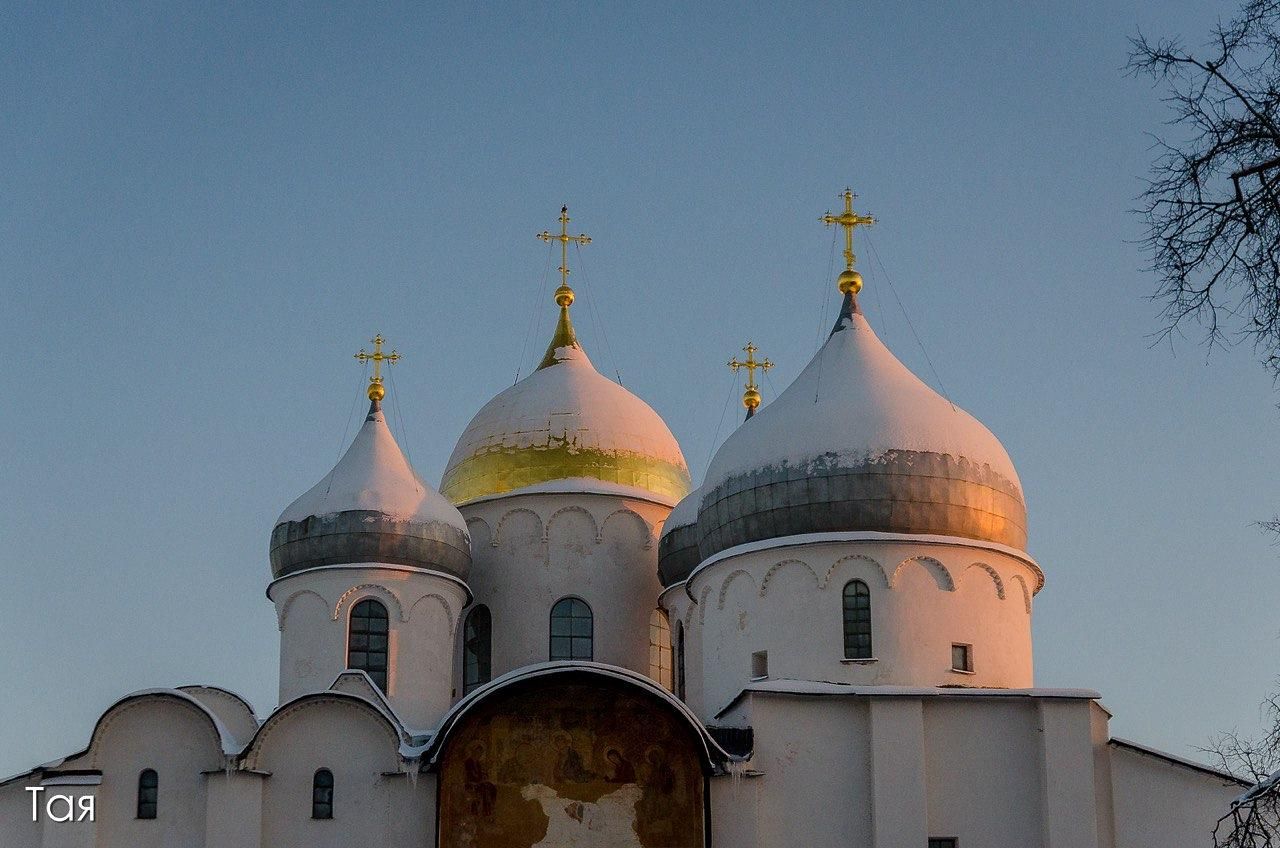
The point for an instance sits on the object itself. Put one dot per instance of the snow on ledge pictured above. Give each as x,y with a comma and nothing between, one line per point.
577,486
825,688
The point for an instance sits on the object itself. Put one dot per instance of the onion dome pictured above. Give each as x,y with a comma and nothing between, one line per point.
678,546
859,443
566,427
372,507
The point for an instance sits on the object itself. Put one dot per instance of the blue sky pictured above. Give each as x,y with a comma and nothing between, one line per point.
205,213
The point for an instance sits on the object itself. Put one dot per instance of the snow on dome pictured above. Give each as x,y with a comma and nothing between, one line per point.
858,442
678,545
566,421
372,507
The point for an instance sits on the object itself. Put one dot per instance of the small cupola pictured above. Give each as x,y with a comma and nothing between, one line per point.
372,507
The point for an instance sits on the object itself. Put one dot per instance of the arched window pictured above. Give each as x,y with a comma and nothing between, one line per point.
857,621
148,793
571,630
367,641
680,660
322,794
477,649
660,648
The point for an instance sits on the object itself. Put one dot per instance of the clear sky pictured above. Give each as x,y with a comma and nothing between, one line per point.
204,214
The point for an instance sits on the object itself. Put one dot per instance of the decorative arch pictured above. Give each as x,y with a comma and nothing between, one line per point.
252,756
369,590
595,526
936,570
645,529
497,531
724,587
768,575
702,605
283,613
826,578
991,572
132,702
1026,593
444,605
477,520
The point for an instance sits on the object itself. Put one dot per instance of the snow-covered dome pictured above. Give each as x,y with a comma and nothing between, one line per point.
857,443
372,507
566,427
678,545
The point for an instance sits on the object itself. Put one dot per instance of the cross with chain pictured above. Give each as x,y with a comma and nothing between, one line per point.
850,280
751,395
564,294
376,391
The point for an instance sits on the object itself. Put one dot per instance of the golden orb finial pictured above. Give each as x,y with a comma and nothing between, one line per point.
849,281
376,390
751,395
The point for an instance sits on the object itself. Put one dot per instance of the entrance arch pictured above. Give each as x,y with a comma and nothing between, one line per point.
572,756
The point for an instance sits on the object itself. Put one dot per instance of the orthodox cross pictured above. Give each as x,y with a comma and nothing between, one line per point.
849,220
564,294
376,391
751,395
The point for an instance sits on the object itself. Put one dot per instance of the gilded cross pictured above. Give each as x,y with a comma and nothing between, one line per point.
564,294
849,278
376,391
751,395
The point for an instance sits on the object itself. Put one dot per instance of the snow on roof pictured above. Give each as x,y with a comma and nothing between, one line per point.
823,688
374,475
568,403
1181,761
685,513
857,401
714,752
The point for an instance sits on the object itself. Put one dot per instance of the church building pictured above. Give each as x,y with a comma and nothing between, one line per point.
827,642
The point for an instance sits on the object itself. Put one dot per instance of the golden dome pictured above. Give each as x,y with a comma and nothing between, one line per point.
566,427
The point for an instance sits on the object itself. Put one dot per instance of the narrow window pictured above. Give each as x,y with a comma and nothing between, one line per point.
943,842
857,621
322,794
680,660
367,641
477,649
660,648
759,665
961,657
571,634
148,793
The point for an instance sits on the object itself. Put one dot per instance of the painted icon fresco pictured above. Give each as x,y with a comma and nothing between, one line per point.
584,764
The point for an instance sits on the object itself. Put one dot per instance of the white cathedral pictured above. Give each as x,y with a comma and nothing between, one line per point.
827,643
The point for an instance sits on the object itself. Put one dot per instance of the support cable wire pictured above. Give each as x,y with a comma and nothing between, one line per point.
894,289
395,406
595,313
534,314
825,302
364,370
733,389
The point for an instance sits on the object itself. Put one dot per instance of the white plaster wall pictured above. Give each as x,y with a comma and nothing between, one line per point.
16,827
531,550
177,740
996,739
816,762
374,803
234,815
924,597
1159,804
888,771
313,608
